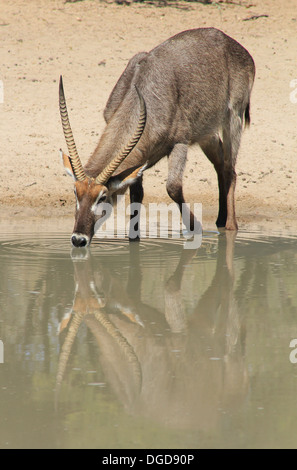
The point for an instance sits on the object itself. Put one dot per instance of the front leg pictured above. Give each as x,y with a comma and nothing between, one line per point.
176,165
136,197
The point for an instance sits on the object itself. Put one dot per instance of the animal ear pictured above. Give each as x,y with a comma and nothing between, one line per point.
135,174
129,179
67,165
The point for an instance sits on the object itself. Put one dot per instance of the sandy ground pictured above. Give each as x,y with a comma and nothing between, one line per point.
90,42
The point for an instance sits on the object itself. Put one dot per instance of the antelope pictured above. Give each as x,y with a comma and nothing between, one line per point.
193,88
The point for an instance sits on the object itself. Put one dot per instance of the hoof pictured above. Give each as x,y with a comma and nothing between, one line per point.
134,239
232,227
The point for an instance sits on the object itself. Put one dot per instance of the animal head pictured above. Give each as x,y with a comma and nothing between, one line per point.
95,197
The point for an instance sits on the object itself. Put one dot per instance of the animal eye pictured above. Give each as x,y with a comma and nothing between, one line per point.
102,198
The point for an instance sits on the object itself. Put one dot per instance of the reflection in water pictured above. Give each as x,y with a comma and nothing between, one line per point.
198,365
148,344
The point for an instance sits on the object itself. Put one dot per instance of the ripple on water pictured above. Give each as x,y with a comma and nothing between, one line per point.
57,245
40,245
29,246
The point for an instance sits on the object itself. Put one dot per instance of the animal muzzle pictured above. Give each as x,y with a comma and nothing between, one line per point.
80,240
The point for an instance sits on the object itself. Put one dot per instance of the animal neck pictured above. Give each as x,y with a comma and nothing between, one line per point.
115,136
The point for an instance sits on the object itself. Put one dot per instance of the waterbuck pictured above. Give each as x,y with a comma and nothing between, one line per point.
190,89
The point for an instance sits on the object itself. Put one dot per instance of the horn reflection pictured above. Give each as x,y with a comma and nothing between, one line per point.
159,360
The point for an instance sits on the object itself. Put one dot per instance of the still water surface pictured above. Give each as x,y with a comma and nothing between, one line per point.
148,345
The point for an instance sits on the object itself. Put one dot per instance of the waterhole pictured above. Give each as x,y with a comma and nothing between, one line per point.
148,345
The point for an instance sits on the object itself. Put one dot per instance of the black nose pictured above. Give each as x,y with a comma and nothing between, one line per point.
78,241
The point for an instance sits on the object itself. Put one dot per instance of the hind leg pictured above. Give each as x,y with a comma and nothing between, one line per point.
231,142
213,149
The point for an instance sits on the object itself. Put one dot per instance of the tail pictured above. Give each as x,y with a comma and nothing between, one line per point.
247,116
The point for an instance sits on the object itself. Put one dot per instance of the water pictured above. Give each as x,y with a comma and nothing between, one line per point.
148,345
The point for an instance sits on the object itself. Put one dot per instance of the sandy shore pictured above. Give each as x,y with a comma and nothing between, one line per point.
90,42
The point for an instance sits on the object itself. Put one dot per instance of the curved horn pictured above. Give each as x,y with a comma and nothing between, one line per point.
113,165
124,345
76,165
